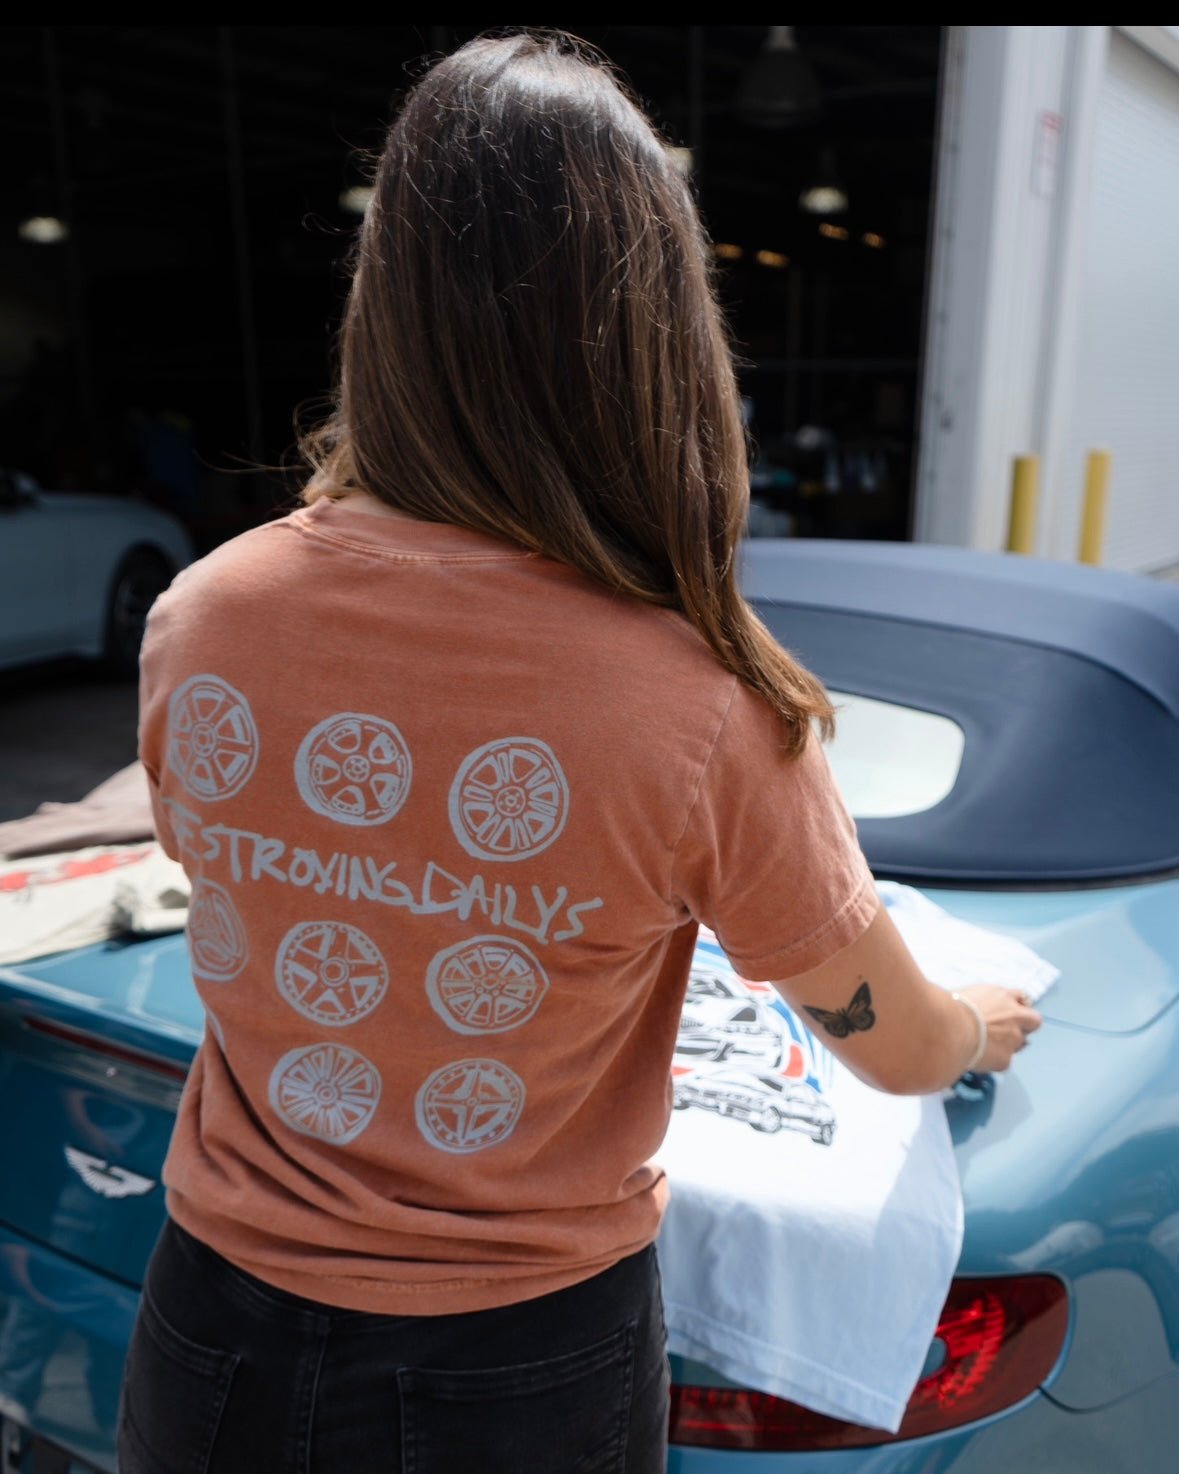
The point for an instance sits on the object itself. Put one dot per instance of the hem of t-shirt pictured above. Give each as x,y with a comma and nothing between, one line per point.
776,1369
383,1295
840,930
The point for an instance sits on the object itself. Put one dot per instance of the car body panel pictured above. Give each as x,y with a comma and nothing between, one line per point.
89,1171
1118,946
64,1331
142,990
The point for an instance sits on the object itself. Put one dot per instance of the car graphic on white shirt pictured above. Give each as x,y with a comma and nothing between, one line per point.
721,1021
767,1102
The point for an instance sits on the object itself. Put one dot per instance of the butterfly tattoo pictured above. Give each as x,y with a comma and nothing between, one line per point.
856,1018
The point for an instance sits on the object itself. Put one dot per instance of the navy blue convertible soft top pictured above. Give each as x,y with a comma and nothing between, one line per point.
1065,680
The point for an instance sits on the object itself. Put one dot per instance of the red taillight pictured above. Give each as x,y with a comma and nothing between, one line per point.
1001,1337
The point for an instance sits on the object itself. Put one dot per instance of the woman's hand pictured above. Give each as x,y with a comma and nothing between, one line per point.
1009,1018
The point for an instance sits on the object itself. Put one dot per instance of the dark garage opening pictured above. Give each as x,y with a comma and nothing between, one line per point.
157,344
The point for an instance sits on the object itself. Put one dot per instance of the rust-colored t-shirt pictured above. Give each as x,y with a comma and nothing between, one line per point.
451,814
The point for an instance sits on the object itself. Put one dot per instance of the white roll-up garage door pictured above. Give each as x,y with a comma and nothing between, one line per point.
1127,394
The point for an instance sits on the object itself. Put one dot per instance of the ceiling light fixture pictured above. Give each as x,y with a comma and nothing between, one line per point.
826,196
774,259
823,199
833,232
45,230
727,251
779,90
877,242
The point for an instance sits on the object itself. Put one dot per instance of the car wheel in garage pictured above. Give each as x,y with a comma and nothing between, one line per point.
139,580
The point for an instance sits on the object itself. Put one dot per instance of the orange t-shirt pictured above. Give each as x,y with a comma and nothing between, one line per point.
451,813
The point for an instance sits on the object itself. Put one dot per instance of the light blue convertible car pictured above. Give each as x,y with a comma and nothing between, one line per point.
1010,744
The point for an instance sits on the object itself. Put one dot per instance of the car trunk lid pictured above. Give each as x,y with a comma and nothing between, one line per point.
94,1049
1116,947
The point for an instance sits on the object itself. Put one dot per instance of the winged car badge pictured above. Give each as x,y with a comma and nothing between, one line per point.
101,1177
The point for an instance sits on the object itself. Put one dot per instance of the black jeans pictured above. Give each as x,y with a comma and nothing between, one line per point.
227,1375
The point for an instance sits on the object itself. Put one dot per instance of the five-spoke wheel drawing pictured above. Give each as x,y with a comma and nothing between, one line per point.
212,739
326,1091
330,972
485,985
509,799
469,1105
354,768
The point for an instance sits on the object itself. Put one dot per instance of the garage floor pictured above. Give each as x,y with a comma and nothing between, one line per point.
63,729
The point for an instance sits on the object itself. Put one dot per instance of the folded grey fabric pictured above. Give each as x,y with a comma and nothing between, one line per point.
118,811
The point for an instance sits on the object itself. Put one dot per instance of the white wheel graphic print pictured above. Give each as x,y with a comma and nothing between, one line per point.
216,936
330,972
354,768
486,985
325,1091
212,739
469,1105
509,799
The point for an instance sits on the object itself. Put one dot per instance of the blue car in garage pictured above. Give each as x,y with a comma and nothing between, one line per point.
1009,743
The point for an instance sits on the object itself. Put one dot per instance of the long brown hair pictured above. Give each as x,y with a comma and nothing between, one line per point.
532,347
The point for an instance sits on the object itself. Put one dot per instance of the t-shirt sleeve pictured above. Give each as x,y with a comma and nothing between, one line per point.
769,857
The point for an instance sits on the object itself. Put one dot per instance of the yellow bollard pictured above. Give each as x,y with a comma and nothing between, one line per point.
1098,464
1025,485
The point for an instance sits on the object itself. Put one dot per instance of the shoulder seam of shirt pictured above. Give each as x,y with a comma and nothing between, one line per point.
404,555
691,809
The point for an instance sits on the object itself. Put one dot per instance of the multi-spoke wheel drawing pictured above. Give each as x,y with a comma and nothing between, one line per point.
212,739
469,1105
330,972
485,985
216,936
509,799
325,1091
354,768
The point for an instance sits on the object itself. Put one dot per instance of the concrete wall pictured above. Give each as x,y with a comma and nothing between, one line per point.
1036,305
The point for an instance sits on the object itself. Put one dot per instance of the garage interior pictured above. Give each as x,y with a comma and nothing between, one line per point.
157,340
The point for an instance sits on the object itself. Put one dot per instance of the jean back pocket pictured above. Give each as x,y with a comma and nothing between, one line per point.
565,1415
174,1395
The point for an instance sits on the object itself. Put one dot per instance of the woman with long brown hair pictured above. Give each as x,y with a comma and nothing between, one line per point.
457,757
